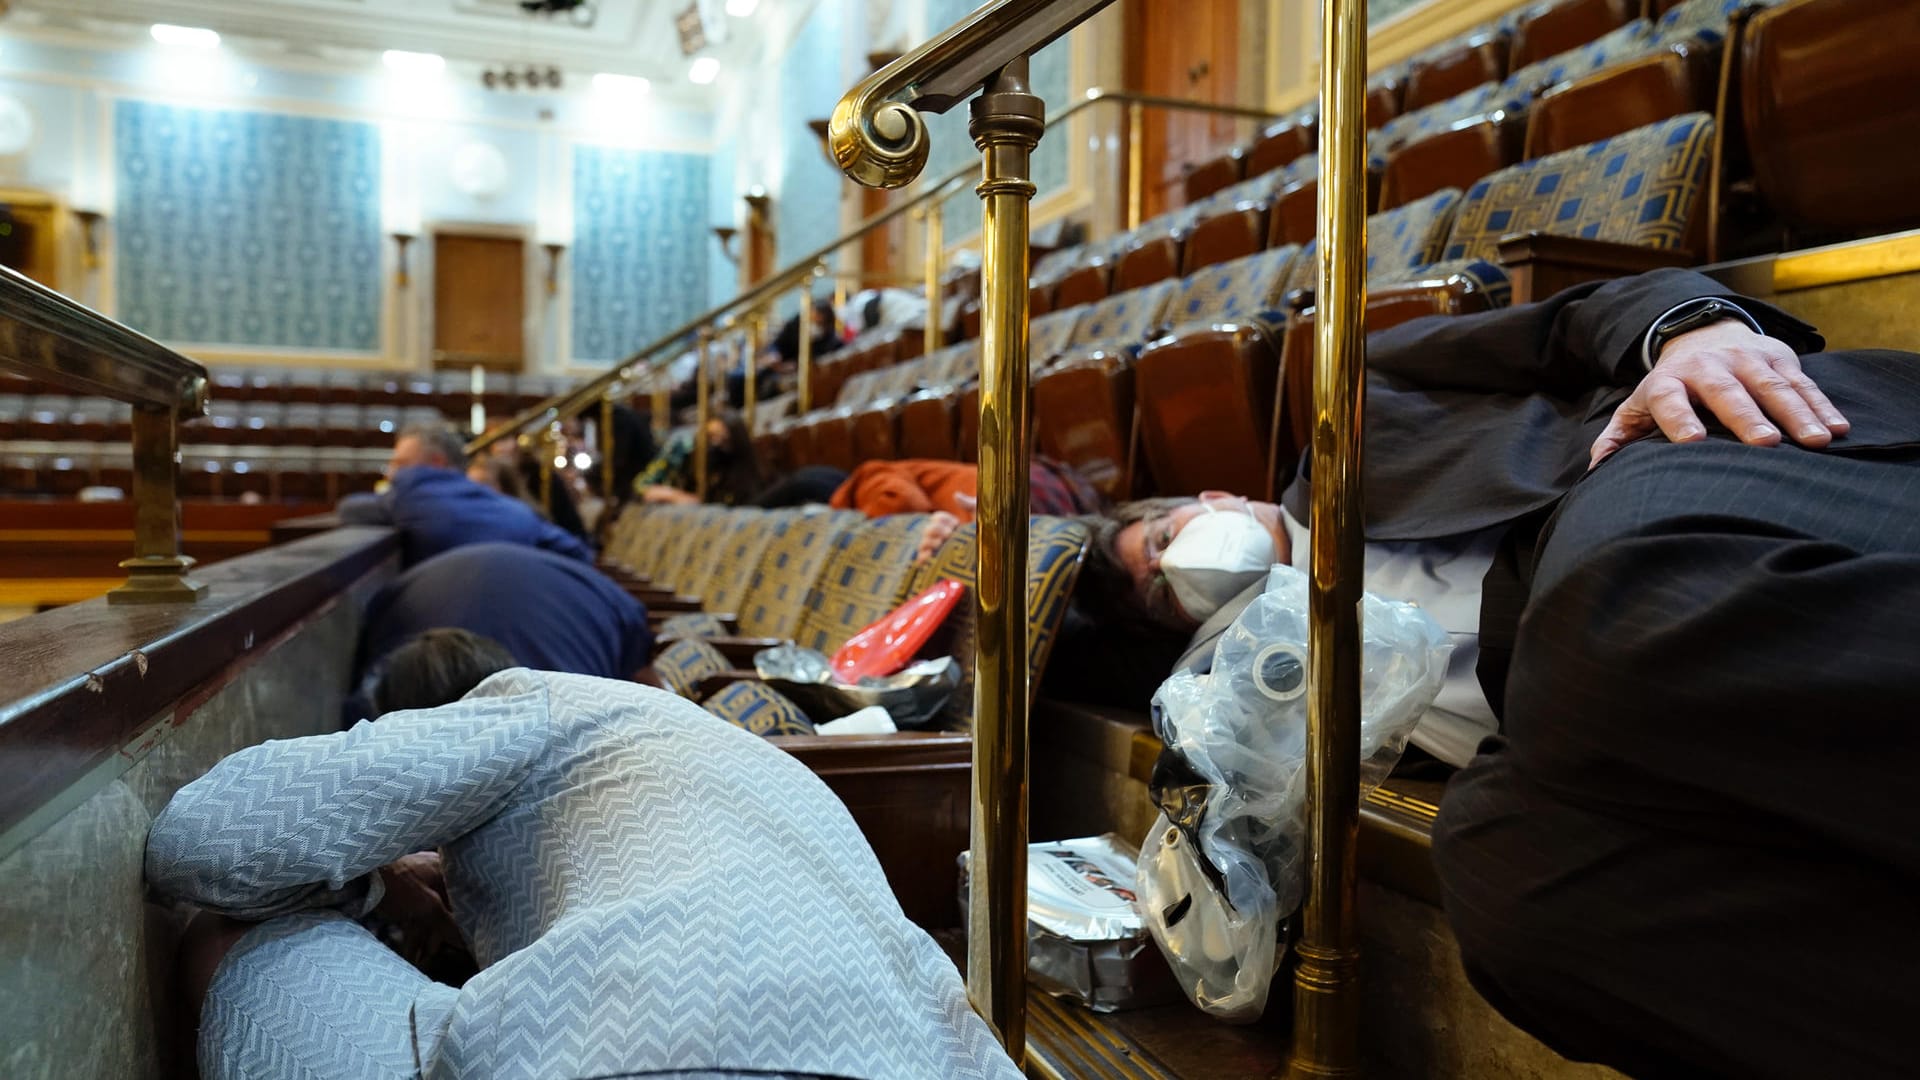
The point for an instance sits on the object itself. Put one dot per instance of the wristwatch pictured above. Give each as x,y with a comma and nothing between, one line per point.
1689,316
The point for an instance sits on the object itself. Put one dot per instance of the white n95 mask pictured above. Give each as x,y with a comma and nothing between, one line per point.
1215,557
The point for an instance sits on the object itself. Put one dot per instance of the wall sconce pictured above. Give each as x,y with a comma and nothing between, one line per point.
758,200
878,60
553,266
401,240
819,129
90,222
725,234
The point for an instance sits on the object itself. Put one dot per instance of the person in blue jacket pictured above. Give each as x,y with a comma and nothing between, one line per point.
436,508
550,613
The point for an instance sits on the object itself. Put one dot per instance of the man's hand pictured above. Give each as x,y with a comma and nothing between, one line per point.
938,528
1743,378
661,493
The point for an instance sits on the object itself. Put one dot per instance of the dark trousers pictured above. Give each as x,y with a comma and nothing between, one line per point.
1696,850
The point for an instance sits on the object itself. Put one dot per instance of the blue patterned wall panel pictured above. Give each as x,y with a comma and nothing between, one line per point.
640,247
1050,73
248,228
807,215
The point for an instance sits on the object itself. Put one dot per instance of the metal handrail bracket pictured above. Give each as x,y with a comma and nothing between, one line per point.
48,336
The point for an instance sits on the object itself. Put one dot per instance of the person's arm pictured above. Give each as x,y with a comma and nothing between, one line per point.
301,823
551,537
667,470
366,508
1588,336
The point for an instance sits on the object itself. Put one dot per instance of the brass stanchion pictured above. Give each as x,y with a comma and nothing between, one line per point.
702,409
1006,124
607,495
157,573
805,401
549,444
936,228
1326,1000
1136,162
750,393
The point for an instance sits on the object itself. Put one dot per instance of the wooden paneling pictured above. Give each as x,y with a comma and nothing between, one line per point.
69,539
1188,50
479,301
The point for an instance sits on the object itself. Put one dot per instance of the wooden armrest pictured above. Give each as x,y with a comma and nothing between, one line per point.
1541,264
740,650
719,681
666,604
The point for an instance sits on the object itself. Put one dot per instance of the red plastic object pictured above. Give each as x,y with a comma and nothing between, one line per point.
890,642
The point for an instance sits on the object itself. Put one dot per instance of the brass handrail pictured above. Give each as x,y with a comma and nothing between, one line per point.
49,336
570,402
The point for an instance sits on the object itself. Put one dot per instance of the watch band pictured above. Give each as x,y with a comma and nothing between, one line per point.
1692,315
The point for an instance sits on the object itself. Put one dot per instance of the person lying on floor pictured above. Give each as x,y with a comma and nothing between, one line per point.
947,490
1700,537
437,507
648,891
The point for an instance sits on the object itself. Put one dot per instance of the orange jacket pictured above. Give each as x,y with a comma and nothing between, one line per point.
879,488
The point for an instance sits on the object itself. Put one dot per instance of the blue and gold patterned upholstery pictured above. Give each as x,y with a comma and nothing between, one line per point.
682,664
693,574
1699,22
951,366
1123,319
658,530
1250,287
1399,241
1259,189
1483,276
1050,333
1641,188
778,593
691,624
862,583
741,550
1624,42
1055,547
1411,127
759,708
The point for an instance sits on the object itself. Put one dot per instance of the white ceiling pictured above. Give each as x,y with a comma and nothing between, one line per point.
633,37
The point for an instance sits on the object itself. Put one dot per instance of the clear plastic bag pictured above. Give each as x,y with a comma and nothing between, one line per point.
912,696
1226,858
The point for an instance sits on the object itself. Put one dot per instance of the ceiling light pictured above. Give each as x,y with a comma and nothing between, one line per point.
623,85
740,9
188,37
704,70
413,63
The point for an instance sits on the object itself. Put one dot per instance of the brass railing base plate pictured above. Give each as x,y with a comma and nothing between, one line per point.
158,581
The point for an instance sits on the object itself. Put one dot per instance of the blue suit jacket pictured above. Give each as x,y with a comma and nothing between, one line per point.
439,509
552,613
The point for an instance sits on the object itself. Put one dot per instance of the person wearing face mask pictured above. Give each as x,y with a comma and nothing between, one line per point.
1195,564
1700,533
733,469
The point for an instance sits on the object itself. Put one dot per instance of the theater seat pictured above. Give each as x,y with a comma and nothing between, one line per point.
1631,94
1623,43
1214,174
1456,66
1565,25
1280,145
875,431
1482,100
1236,221
1831,113
1454,158
929,425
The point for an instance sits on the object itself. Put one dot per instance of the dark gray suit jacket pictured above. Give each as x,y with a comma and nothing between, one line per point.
1485,420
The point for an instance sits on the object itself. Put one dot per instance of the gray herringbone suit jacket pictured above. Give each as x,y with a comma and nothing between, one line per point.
647,888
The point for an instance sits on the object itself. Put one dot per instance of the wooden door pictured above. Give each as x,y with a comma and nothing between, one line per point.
479,301
29,240
1186,50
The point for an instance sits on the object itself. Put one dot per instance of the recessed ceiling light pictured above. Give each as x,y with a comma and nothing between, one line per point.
705,69
740,9
186,37
624,85
413,63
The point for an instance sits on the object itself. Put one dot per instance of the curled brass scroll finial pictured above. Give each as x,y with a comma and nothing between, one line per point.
876,133
880,144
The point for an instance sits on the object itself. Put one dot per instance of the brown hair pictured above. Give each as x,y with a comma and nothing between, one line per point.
437,668
1106,591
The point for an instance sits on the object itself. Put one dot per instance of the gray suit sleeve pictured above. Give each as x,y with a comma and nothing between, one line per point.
303,823
365,508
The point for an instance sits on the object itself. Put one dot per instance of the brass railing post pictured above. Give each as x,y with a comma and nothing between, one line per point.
157,573
1006,123
805,366
750,393
702,410
1136,162
1326,1009
549,443
607,495
936,230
